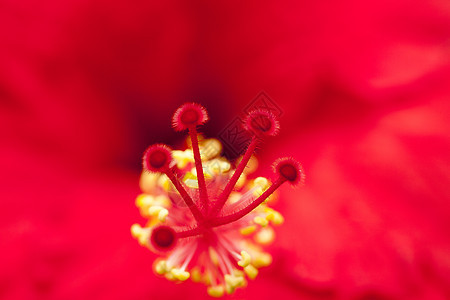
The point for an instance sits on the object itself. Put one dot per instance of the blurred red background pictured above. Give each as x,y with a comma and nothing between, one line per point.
364,86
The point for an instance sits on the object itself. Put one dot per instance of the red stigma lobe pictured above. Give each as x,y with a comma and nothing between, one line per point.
189,115
163,238
262,123
157,158
289,169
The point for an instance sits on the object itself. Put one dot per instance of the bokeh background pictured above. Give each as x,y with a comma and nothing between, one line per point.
364,86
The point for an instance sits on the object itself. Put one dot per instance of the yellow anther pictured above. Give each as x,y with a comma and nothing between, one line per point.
154,210
160,267
216,166
278,219
238,273
229,279
216,291
260,221
162,215
182,158
210,148
262,260
248,230
141,234
190,179
251,271
190,154
170,276
262,182
241,181
212,169
233,282
217,169
252,164
180,274
225,166
184,276
270,213
163,200
196,275
246,259
229,289
275,217
136,230
206,171
164,182
144,200
265,236
148,182
178,154
258,191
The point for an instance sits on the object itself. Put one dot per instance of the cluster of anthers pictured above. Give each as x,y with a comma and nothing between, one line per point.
206,219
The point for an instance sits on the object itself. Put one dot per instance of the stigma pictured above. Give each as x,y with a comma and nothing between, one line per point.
206,218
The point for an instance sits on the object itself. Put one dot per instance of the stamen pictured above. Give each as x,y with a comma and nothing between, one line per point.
265,236
189,258
180,255
260,221
176,257
245,260
160,212
216,291
233,282
141,234
248,230
181,273
160,267
251,271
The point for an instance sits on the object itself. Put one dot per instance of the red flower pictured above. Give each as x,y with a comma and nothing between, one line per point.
363,89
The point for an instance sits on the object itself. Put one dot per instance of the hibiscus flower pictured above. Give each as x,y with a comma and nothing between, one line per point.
362,91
